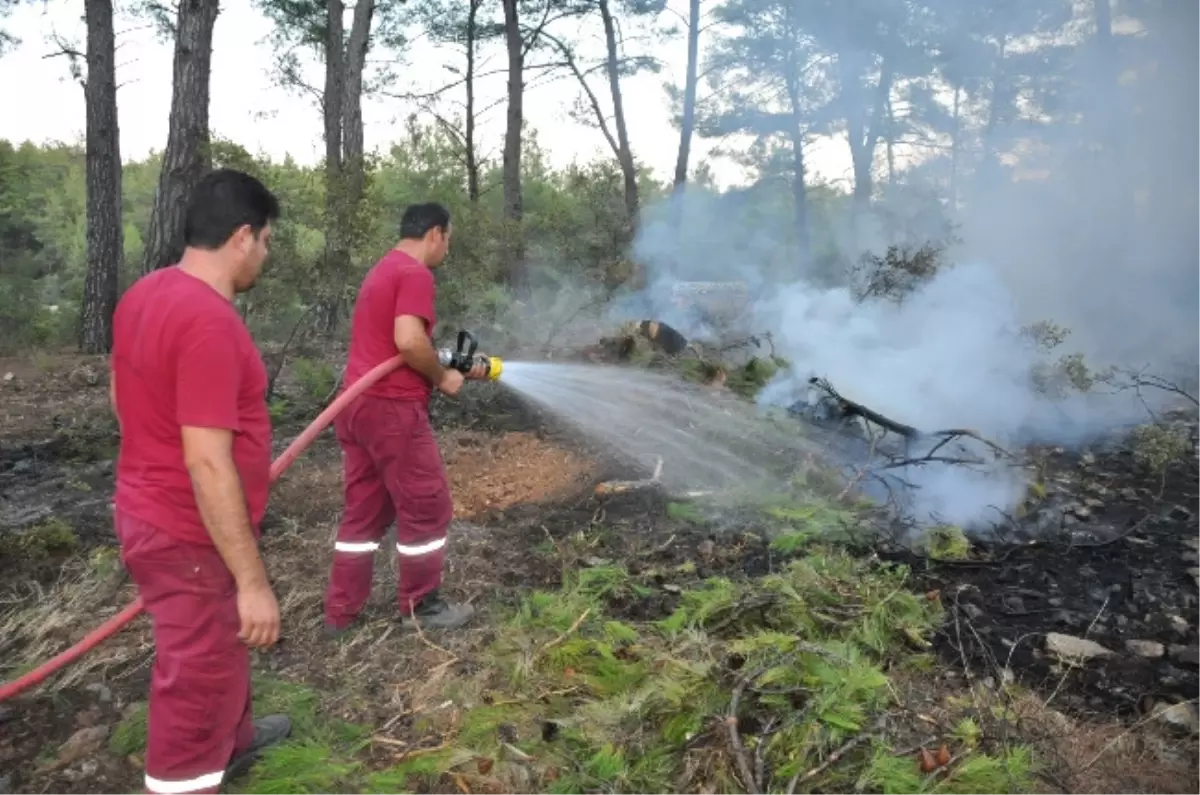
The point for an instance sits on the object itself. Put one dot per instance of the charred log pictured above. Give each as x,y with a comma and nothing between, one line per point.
663,337
848,409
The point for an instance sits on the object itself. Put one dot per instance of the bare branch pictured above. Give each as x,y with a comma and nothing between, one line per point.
591,95
437,92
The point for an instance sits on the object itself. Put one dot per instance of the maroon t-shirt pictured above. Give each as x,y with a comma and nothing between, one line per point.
396,285
182,356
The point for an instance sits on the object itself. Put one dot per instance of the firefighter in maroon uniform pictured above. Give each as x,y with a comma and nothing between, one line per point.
392,467
188,388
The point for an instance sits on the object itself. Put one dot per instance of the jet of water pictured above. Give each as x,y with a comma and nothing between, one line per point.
705,441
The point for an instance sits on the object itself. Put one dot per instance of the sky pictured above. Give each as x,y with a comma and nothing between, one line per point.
250,109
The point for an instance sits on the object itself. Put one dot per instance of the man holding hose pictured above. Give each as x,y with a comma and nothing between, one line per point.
392,466
188,386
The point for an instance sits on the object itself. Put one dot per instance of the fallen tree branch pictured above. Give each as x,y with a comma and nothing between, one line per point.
952,433
850,408
735,739
610,487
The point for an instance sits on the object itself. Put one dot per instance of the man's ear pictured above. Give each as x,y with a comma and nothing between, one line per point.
244,237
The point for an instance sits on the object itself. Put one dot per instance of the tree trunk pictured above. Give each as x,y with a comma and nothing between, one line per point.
625,155
1111,160
688,121
353,164
352,120
333,100
469,143
187,156
687,125
800,180
955,143
513,209
105,238
345,168
989,161
890,142
800,193
864,125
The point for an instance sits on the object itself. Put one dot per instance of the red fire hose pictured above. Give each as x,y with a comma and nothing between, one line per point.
117,622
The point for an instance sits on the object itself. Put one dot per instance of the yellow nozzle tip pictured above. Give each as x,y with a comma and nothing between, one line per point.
497,368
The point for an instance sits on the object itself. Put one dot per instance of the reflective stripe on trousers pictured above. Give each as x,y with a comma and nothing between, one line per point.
408,550
207,781
356,546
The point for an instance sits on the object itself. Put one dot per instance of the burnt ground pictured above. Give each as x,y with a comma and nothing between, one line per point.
1108,556
525,513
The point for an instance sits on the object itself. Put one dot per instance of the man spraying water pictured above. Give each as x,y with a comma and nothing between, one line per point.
392,466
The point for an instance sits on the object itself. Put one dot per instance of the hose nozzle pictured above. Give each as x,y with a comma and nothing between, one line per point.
463,358
495,368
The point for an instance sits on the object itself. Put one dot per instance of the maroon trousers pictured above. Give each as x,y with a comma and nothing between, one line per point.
392,472
200,713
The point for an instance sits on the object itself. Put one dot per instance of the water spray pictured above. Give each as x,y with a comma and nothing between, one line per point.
463,357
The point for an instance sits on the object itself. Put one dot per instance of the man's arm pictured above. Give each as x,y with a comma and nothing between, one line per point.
413,311
207,381
208,377
418,352
112,390
208,453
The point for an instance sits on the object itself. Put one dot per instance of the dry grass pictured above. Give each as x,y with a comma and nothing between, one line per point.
47,620
1112,757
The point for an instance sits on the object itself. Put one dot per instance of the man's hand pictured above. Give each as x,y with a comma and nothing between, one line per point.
259,613
452,381
479,370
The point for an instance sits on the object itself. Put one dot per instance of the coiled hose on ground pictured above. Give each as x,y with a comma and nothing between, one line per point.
278,467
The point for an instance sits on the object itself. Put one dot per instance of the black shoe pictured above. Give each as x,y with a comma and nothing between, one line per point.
268,731
436,613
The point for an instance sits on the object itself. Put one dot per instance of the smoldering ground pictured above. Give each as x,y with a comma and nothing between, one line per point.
1065,191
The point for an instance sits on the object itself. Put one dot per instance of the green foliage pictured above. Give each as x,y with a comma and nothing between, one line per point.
945,542
900,271
1155,447
1060,376
624,698
573,222
321,755
316,378
684,512
803,520
1009,770
748,379
129,736
46,539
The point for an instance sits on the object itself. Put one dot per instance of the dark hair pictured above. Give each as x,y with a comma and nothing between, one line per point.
224,201
418,219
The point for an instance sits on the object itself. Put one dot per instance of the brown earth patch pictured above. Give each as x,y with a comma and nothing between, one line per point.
489,473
